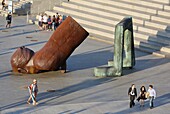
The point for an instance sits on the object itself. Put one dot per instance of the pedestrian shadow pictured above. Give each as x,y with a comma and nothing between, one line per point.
5,74
23,33
162,100
50,96
15,26
18,26
159,101
84,85
4,53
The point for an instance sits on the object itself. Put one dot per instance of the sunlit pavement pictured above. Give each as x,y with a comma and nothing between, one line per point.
77,91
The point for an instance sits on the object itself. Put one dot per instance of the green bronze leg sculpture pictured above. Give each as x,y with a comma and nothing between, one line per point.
124,55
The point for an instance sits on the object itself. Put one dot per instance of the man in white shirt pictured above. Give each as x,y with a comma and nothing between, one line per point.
152,95
45,22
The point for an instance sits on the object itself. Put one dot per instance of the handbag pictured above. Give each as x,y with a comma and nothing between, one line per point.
147,95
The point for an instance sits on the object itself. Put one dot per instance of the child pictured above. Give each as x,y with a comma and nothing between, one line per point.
33,90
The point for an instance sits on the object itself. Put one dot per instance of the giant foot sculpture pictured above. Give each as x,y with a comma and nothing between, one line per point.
67,37
124,54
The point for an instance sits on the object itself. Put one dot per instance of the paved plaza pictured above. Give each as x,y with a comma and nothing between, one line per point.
78,91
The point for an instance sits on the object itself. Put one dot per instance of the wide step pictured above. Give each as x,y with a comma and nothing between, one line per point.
99,17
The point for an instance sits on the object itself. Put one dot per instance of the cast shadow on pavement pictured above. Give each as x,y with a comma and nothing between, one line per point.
100,57
12,50
47,97
12,27
159,101
5,74
22,33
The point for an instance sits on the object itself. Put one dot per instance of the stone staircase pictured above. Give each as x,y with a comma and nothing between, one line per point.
99,17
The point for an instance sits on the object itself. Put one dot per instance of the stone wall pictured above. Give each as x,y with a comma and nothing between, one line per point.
39,6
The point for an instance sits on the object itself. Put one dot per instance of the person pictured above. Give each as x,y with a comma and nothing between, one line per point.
8,19
53,22
57,14
33,90
142,96
152,95
45,23
49,23
60,20
40,21
4,6
132,92
57,21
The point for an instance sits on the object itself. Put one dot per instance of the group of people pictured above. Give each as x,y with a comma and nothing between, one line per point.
143,95
49,23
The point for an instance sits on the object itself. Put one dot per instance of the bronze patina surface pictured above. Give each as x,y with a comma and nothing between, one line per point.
124,54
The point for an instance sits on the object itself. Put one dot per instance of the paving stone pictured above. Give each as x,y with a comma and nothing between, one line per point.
78,91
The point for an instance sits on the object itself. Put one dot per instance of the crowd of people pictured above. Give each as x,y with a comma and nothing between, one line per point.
143,95
49,23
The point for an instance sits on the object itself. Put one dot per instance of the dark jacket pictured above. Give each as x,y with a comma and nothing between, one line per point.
130,89
9,17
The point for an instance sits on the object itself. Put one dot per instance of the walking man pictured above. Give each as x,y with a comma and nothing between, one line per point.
132,94
8,19
152,95
33,90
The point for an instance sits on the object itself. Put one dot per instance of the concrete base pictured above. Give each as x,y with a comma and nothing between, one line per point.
107,71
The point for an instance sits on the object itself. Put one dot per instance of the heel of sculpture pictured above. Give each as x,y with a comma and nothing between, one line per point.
15,69
31,70
63,68
107,71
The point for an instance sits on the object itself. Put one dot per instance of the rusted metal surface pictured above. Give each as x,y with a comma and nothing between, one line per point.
67,37
20,58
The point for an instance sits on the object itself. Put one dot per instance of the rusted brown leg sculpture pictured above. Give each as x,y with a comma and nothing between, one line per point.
67,37
20,59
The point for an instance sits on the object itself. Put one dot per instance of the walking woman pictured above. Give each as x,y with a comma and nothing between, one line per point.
142,96
132,94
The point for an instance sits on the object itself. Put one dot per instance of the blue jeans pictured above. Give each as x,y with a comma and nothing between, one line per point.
151,98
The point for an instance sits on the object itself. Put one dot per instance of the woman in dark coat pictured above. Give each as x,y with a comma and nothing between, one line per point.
9,19
142,96
132,94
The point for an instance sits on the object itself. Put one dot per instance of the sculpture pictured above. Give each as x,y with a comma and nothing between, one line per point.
67,37
124,54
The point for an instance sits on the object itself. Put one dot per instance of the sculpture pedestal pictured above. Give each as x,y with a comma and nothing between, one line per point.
109,71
